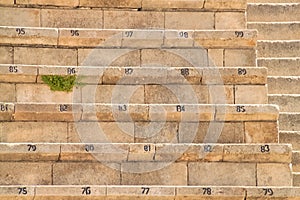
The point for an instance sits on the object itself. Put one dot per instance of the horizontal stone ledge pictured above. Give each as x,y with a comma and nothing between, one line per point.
149,192
137,112
127,38
139,4
144,152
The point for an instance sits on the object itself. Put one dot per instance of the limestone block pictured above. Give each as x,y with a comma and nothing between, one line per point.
289,121
22,17
284,85
230,20
276,67
15,192
275,192
251,94
277,49
220,94
142,38
296,161
178,38
273,174
111,3
166,5
141,152
18,73
216,57
260,132
226,5
7,2
8,91
286,102
80,18
186,75
241,57
7,111
290,137
6,54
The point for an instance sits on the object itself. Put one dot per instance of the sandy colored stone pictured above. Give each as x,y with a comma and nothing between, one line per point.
296,161
90,38
22,173
189,20
82,18
185,75
115,113
286,102
230,20
47,132
278,49
277,67
172,94
251,94
166,5
18,73
289,121
68,3
226,4
155,132
260,132
181,113
20,17
133,20
284,85
6,55
48,112
7,111
143,39
101,132
12,193
108,57
222,174
7,2
25,152
141,152
111,3
241,57
86,174
296,179
278,193
8,91
213,132
253,153
47,56
216,57
178,38
271,174
154,173
218,94
32,36
290,137
116,94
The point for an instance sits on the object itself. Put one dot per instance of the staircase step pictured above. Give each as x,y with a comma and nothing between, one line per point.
289,121
280,66
274,30
277,49
296,179
296,161
264,12
290,137
284,84
286,102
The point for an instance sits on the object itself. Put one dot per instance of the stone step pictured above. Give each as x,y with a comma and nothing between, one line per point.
289,121
296,161
277,49
140,132
296,179
136,4
273,1
123,19
77,192
273,12
284,84
291,137
17,36
136,112
188,57
274,30
281,66
286,102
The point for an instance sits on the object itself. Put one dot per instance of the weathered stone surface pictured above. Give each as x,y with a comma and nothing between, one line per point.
82,18
296,161
222,174
216,57
286,102
67,3
8,91
289,121
241,57
206,132
270,174
261,132
141,152
280,66
6,55
177,38
18,74
47,56
86,174
111,3
277,192
230,20
12,193
143,38
178,20
7,2
7,111
284,85
226,5
133,20
22,17
154,173
277,49
166,4
251,94
290,137
296,179
101,132
18,173
48,132
221,94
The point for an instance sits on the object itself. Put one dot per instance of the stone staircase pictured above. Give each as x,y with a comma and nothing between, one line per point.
278,49
167,103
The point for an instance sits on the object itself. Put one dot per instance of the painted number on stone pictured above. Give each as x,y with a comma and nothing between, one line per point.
240,109
13,69
71,71
185,72
86,191
3,108
63,108
128,33
123,108
145,190
89,148
22,190
180,108
31,147
74,33
207,148
207,191
128,71
183,34
265,148
242,71
20,31
239,34
268,192
147,148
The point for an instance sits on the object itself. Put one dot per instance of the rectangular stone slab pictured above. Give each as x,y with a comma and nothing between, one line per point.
18,73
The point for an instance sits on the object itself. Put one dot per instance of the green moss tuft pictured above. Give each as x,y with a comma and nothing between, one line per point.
60,83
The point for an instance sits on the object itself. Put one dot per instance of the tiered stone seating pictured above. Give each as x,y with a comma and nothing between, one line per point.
165,106
278,49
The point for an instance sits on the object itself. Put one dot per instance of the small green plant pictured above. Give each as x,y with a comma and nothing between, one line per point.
60,83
